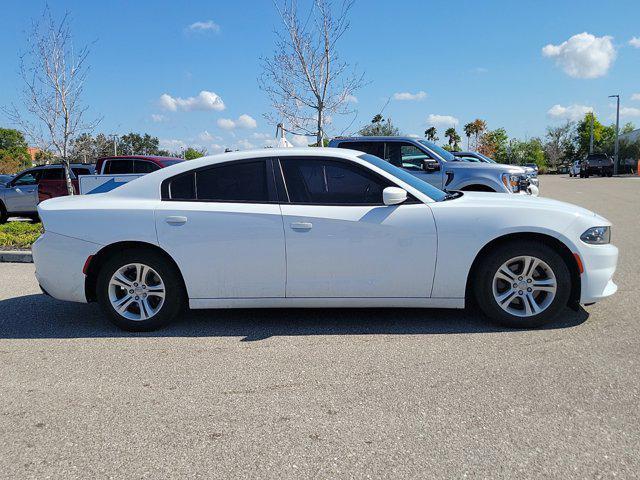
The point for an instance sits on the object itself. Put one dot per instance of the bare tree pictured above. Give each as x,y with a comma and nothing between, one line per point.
53,74
306,80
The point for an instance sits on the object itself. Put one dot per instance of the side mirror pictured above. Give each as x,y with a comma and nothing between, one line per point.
429,165
393,195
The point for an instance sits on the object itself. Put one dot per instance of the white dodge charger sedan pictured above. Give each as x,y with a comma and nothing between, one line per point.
317,228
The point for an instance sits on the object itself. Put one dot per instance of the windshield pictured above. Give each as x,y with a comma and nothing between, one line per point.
415,182
446,156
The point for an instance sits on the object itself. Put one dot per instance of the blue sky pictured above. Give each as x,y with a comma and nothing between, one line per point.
471,59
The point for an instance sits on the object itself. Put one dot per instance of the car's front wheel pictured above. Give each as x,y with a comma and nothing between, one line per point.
140,290
523,285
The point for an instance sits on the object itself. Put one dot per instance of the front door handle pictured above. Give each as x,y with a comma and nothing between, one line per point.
301,225
176,220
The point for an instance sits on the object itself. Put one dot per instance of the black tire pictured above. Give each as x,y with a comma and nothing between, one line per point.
483,283
175,299
4,216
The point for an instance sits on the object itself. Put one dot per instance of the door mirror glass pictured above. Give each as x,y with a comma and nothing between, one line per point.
429,165
393,195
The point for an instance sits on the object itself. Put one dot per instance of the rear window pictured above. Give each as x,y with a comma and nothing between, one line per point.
52,174
81,171
236,182
120,166
144,166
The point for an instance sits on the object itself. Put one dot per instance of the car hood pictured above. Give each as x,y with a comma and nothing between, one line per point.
497,200
495,167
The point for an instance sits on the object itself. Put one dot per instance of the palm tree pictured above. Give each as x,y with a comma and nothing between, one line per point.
432,134
453,137
469,129
479,126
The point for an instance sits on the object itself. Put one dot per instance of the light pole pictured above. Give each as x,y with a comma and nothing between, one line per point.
615,162
115,145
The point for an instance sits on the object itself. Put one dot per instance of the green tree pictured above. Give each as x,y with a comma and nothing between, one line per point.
494,143
379,127
431,134
14,152
137,144
453,139
603,136
558,147
469,130
193,153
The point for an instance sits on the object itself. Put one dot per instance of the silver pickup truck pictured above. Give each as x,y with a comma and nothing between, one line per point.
439,167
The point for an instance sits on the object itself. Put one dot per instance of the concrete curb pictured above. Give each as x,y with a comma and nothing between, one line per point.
16,256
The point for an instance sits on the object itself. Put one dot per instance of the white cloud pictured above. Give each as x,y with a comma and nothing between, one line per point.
300,140
244,144
407,96
413,135
572,112
635,42
208,137
203,101
172,144
246,121
351,99
157,118
583,55
629,112
442,120
226,123
208,26
635,96
243,121
261,136
480,70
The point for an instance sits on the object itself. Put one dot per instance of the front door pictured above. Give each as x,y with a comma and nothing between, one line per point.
343,242
22,194
223,227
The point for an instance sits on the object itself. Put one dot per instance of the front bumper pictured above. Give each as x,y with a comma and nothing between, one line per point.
600,263
59,261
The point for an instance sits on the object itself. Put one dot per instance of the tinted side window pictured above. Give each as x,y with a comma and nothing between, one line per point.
331,182
29,178
52,174
183,187
142,166
118,166
81,171
242,182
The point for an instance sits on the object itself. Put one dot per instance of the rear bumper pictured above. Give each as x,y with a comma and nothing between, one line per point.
59,261
600,263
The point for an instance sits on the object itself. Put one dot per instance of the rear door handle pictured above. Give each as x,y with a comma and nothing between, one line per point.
176,220
301,225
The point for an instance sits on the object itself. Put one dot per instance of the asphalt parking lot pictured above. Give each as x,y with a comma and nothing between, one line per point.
328,393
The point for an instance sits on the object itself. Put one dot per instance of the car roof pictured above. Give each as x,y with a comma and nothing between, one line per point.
157,158
375,138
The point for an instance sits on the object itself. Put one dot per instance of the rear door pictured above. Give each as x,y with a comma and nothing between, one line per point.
22,194
343,242
411,158
222,225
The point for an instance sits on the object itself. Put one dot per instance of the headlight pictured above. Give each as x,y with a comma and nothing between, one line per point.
514,182
597,235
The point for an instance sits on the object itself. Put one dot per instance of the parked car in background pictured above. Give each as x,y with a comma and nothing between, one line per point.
596,164
532,173
132,164
439,167
358,232
5,179
574,168
53,184
20,195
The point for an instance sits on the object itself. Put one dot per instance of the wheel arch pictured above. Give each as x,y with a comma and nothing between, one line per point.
103,254
560,247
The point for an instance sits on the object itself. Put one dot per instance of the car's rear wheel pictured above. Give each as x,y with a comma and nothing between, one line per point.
140,290
523,285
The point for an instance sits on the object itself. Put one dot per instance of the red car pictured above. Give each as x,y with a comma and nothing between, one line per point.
117,165
133,164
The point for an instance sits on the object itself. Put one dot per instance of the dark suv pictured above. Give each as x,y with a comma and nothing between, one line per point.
596,164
